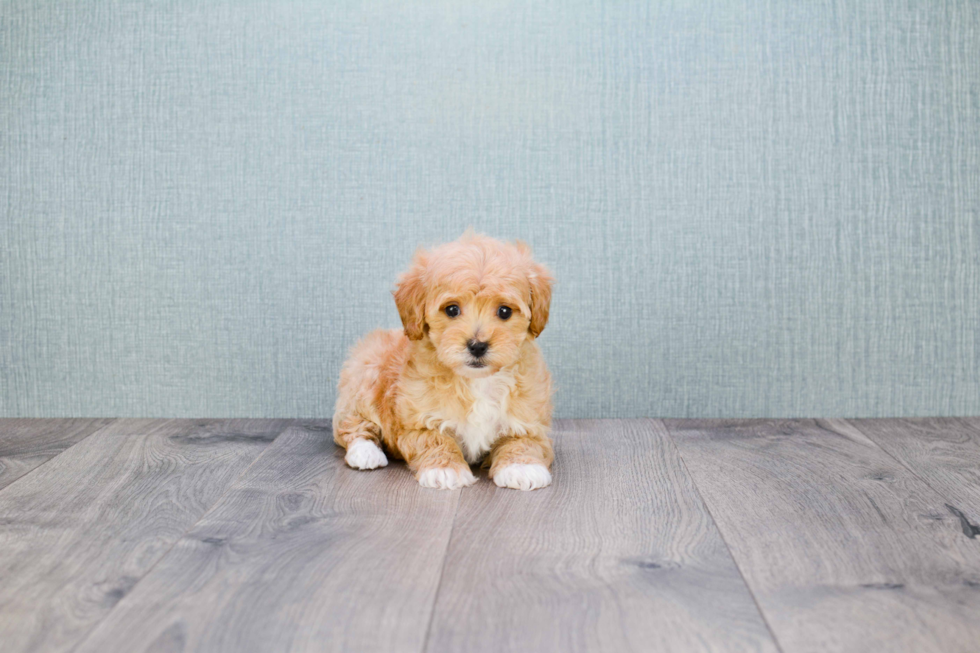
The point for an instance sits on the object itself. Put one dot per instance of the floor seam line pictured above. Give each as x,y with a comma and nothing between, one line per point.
940,494
442,573
112,421
721,534
207,512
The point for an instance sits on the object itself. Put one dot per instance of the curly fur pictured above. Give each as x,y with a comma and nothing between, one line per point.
420,394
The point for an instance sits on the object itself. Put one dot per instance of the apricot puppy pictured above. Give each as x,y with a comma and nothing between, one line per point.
464,381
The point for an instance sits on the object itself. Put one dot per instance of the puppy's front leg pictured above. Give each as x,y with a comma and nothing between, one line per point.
436,460
522,462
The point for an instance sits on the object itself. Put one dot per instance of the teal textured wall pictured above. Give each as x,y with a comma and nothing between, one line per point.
753,208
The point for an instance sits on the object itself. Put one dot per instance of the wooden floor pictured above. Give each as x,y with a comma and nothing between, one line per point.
252,535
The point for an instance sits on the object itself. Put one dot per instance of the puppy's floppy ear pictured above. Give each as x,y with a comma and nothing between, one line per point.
541,281
410,297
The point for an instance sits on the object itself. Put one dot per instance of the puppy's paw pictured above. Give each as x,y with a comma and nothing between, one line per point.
446,478
523,477
365,454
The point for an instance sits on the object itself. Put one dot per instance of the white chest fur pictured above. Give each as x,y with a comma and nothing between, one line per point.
487,418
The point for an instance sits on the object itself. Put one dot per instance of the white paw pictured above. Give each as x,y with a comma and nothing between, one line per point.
365,454
523,477
446,478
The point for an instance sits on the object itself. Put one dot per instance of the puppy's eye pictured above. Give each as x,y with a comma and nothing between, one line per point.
452,310
504,312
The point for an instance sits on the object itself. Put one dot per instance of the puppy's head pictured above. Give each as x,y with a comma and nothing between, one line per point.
477,299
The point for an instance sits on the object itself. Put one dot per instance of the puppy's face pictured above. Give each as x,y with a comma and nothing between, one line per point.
477,300
477,331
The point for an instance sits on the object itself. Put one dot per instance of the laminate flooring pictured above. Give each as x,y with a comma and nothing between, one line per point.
680,535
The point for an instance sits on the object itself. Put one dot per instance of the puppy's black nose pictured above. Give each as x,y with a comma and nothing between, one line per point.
477,348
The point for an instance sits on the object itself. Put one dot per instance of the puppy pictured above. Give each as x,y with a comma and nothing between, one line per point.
464,381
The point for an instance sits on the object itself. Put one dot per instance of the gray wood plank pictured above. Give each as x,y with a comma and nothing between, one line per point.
844,548
80,531
942,451
27,443
302,554
619,554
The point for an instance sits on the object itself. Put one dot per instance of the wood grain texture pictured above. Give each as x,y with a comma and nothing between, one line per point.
844,548
942,451
618,555
302,554
27,443
79,532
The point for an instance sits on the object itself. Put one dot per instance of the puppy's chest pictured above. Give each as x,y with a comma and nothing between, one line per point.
482,421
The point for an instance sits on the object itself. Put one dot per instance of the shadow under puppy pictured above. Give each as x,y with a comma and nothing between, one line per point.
465,380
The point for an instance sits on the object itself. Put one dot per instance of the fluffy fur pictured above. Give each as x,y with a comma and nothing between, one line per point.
424,397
